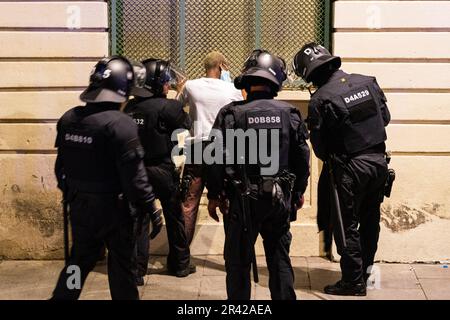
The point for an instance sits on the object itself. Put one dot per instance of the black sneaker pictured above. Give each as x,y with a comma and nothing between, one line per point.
185,272
342,288
139,281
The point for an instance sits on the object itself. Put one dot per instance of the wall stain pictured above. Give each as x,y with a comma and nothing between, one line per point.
402,216
40,210
6,247
434,209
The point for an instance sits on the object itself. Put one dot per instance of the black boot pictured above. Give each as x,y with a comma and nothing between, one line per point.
139,281
342,288
184,272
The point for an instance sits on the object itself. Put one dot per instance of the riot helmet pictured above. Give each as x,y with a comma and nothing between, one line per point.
111,80
262,67
313,58
158,73
252,59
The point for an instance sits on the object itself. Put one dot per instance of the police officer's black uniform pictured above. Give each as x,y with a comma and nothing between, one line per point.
347,118
100,170
157,118
270,204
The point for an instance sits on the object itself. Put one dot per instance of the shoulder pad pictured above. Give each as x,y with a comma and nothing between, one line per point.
71,113
229,107
361,77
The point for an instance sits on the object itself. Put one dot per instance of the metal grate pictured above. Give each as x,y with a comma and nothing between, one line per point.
184,31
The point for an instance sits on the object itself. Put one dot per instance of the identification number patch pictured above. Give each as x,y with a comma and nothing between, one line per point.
262,120
357,96
360,105
78,138
139,119
139,122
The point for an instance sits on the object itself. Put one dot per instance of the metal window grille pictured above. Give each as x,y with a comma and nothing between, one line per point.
184,31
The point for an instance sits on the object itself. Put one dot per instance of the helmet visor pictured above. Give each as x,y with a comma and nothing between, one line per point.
174,76
140,74
140,77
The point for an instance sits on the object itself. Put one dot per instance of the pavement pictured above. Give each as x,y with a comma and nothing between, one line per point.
35,280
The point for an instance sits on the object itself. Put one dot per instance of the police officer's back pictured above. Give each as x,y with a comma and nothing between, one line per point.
99,168
347,116
262,196
158,118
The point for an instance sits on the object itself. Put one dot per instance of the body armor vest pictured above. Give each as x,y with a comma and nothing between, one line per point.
154,135
265,127
352,114
89,163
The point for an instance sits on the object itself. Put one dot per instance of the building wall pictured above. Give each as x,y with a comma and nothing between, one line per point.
405,44
46,53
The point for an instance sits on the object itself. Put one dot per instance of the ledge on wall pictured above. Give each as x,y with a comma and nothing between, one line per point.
286,95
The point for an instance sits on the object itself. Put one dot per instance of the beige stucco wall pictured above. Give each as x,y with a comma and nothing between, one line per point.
405,44
46,53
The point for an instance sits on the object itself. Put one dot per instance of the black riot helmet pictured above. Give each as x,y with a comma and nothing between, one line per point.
252,59
159,72
111,81
262,67
311,59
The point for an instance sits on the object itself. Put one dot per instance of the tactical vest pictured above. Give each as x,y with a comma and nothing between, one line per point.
89,163
354,113
154,135
262,121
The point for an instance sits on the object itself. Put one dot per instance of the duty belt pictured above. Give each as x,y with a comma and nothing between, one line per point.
265,185
379,148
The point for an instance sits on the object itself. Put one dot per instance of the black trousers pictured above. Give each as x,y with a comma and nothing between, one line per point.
99,220
360,182
165,182
272,223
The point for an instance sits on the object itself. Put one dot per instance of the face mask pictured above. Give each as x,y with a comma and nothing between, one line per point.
225,76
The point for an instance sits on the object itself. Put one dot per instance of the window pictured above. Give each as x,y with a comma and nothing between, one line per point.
184,31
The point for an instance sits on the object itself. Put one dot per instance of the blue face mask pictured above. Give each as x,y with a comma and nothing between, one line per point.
225,76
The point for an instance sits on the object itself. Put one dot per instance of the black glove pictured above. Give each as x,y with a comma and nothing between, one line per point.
298,200
142,216
157,222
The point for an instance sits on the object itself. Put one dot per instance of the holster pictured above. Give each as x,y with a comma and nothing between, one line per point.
389,179
389,183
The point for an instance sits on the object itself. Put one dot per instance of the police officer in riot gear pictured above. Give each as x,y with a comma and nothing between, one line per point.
100,170
157,118
347,118
254,198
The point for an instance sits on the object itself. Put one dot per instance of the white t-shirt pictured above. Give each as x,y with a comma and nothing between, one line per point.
205,97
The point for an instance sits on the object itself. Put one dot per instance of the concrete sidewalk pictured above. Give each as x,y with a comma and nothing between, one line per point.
36,280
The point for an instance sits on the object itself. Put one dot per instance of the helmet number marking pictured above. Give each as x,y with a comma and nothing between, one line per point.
106,74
